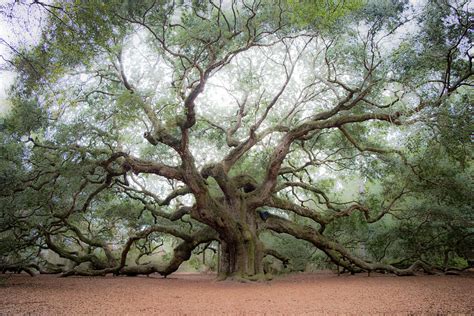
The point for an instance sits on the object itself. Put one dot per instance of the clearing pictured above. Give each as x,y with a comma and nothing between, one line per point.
193,294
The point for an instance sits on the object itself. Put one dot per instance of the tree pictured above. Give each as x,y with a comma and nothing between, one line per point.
223,120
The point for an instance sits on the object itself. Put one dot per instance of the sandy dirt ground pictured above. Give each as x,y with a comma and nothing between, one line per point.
191,294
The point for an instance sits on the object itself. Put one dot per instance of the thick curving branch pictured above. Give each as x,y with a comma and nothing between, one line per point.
297,209
181,253
282,149
336,250
127,163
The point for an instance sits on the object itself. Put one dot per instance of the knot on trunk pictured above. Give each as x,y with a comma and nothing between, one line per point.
245,182
149,137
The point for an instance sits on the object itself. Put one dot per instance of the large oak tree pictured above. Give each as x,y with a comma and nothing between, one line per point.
223,120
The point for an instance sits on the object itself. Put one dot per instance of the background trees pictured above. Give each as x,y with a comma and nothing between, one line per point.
234,122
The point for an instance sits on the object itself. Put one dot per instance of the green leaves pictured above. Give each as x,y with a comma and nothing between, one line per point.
108,78
321,14
25,117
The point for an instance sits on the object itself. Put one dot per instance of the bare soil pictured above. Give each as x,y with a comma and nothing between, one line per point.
192,294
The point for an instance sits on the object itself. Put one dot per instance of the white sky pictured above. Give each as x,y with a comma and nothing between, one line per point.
6,77
27,31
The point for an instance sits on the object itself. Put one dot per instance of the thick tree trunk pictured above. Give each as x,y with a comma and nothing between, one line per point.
241,257
240,250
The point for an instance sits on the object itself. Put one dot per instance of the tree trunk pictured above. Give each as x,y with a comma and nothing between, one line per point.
241,257
241,251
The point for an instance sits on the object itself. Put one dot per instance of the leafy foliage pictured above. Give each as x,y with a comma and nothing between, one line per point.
283,128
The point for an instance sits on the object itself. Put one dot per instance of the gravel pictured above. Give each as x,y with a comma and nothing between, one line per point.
193,294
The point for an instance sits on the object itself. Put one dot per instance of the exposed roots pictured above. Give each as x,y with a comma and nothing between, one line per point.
30,269
242,278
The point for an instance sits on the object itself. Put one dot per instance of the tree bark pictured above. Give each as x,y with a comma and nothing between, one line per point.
241,259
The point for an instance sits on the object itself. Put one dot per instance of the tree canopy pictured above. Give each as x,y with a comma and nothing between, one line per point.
346,124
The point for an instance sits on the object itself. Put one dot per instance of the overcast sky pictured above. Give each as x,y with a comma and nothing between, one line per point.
6,77
27,30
